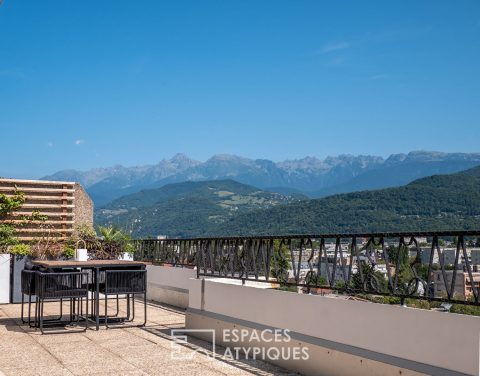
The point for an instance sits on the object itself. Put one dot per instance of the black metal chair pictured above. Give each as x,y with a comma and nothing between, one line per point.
28,288
129,283
28,280
91,287
60,286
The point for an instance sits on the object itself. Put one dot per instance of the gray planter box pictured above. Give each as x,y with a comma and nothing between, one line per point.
18,265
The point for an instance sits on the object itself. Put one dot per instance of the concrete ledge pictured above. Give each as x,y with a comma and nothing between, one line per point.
169,285
171,295
418,340
325,357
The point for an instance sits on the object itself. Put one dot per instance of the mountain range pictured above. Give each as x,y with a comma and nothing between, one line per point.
309,176
186,209
229,208
435,203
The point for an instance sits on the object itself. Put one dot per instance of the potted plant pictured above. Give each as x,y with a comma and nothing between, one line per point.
9,205
113,244
128,251
68,252
21,254
7,239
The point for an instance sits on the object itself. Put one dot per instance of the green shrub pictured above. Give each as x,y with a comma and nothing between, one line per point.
418,303
129,248
288,288
391,300
20,250
69,252
435,304
7,237
340,285
322,281
465,309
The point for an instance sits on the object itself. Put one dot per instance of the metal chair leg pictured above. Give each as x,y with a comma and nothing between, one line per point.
29,309
29,321
144,309
133,307
118,308
128,308
106,313
41,316
86,310
37,312
21,314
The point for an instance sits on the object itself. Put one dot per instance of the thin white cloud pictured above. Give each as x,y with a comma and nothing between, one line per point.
336,61
334,47
50,144
79,142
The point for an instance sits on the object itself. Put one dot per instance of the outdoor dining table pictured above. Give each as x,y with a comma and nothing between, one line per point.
96,266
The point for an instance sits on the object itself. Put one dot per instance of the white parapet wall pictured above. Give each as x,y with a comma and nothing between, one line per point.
344,337
4,278
169,285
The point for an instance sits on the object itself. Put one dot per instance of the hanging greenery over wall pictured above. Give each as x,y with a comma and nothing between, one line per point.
8,205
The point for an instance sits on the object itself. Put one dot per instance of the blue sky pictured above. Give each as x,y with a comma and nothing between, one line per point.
94,83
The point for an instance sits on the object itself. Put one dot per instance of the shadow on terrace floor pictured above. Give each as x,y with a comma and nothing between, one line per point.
122,351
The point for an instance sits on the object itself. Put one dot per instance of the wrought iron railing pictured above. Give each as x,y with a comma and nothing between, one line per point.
437,266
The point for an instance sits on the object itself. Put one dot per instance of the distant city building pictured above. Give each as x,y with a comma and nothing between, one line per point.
64,204
475,256
421,240
463,286
449,256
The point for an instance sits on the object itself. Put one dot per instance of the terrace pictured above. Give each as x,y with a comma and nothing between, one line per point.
315,291
134,351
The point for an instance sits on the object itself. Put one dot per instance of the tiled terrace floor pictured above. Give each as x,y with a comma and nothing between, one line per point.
126,351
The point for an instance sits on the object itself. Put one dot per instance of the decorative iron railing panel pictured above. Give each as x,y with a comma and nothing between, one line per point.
424,265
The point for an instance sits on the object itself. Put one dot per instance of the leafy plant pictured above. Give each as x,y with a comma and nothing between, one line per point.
322,281
397,255
129,248
113,234
111,244
9,204
21,249
280,261
465,309
47,245
85,235
369,273
68,252
7,237
288,288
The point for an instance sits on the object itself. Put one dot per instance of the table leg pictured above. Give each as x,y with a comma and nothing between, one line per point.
97,299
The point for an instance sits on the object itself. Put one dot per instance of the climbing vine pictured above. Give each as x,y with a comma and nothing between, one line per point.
8,205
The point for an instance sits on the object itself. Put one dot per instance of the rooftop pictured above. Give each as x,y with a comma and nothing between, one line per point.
123,351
